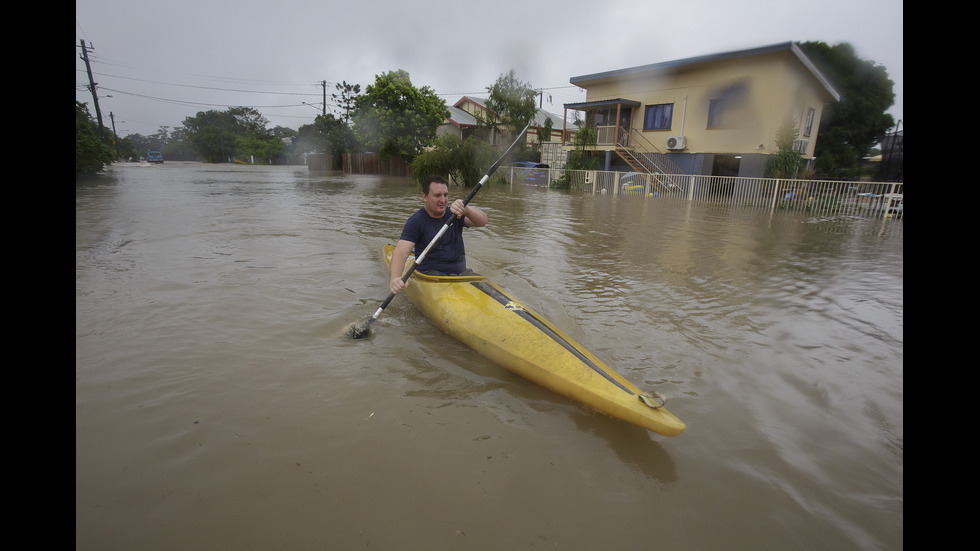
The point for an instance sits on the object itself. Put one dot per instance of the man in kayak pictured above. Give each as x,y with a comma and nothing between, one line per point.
447,256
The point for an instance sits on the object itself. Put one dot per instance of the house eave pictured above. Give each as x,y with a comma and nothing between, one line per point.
583,80
589,105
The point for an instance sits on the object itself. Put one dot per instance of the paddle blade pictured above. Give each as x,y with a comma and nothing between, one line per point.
361,330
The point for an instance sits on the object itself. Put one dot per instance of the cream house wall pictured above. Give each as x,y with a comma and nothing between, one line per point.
775,85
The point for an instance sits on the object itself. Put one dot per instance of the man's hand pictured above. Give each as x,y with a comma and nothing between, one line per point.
458,208
397,285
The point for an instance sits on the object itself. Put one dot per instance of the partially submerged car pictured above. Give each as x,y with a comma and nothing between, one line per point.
635,182
537,173
154,157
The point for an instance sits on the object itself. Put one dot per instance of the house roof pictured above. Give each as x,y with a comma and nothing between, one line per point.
460,118
654,67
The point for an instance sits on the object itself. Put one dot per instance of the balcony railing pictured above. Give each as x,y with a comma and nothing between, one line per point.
605,136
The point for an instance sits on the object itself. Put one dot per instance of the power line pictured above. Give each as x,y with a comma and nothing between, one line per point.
557,90
99,60
210,87
184,102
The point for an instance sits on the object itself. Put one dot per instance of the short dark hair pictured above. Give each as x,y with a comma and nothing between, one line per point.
434,179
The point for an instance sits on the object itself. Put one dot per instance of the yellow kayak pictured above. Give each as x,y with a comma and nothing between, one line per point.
489,320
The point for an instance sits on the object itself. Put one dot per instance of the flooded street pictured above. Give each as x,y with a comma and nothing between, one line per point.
220,403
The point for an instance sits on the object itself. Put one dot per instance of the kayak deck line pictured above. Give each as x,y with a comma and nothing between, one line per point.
541,326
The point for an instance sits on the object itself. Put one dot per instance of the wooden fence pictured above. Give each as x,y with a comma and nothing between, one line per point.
371,163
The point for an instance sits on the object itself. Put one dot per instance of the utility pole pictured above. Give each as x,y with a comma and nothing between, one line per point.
91,86
115,137
324,84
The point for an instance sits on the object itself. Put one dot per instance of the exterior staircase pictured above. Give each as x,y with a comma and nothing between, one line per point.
647,159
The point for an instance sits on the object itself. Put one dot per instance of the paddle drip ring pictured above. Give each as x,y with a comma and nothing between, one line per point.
653,399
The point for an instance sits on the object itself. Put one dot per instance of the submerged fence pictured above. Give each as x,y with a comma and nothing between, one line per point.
819,197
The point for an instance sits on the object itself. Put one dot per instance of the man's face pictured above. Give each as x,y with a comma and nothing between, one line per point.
436,200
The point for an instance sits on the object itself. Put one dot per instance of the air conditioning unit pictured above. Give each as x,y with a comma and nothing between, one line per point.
676,142
800,146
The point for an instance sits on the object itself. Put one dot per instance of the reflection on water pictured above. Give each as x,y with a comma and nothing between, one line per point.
219,402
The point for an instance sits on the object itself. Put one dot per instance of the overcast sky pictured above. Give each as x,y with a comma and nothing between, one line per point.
164,60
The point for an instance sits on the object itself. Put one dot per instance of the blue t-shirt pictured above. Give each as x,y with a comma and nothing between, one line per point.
448,255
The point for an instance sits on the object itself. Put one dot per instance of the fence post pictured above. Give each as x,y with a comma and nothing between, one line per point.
886,205
775,194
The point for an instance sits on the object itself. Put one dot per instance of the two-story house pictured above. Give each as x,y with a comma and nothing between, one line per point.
710,115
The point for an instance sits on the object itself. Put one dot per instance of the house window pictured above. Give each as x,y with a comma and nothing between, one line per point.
808,126
716,113
658,117
723,110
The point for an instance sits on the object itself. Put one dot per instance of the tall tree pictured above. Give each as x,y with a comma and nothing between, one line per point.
248,119
347,98
849,128
396,119
212,134
511,105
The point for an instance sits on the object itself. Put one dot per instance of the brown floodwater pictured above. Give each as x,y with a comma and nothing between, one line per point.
221,404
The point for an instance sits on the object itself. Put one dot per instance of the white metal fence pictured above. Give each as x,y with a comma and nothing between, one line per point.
820,197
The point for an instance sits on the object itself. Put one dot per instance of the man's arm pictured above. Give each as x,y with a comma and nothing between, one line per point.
397,269
475,218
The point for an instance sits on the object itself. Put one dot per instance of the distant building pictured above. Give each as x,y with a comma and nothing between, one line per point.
463,121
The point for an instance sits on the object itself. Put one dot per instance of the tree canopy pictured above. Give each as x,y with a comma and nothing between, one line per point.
328,135
91,152
396,119
850,127
346,99
239,132
510,106
459,160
